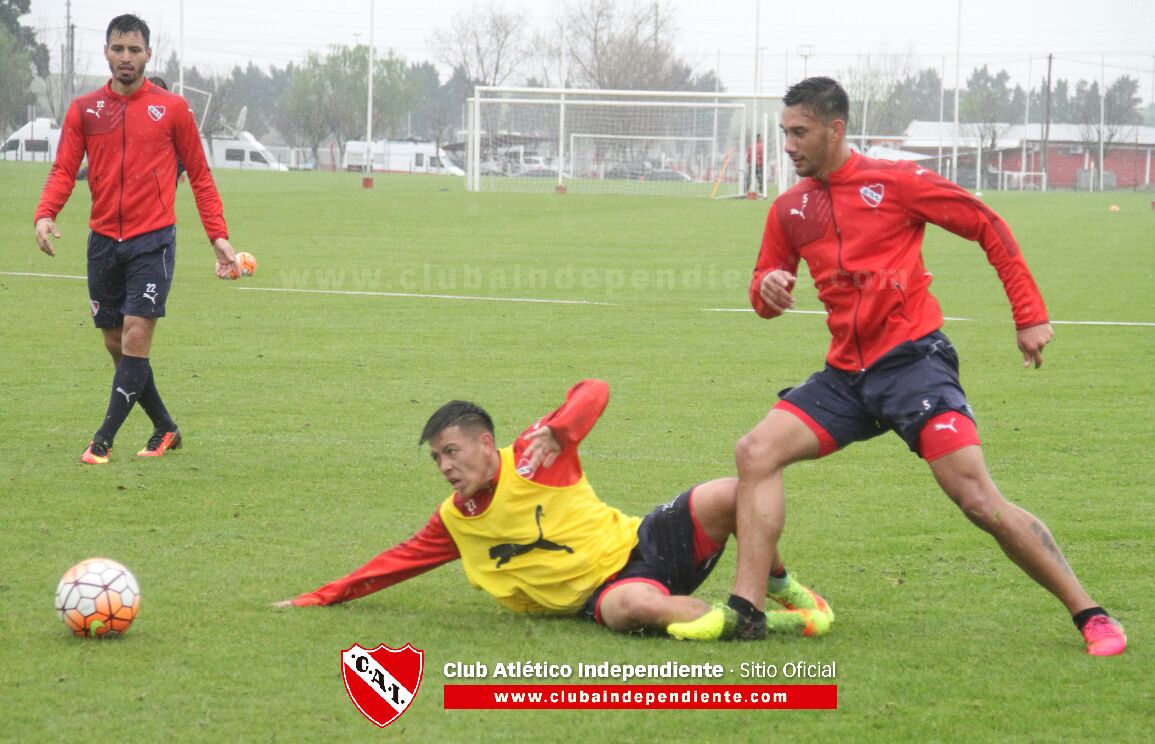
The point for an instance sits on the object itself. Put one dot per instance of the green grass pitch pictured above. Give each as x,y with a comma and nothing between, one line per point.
301,412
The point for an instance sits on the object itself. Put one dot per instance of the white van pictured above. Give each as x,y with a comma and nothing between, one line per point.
36,140
243,151
402,156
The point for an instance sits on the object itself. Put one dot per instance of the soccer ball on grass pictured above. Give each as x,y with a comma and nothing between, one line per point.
98,598
248,264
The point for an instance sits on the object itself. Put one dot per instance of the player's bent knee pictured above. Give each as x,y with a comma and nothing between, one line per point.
981,502
627,616
758,455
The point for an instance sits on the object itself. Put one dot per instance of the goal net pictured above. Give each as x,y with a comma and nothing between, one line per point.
1023,181
621,142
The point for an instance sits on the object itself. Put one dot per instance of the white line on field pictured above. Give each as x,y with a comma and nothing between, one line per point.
1122,323
469,298
43,276
792,312
1100,323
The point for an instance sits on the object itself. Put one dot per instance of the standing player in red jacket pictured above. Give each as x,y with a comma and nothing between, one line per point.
133,133
858,223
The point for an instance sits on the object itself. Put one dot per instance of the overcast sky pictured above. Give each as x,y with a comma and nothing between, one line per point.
1015,35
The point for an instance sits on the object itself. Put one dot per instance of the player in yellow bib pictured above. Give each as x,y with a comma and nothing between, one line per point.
530,531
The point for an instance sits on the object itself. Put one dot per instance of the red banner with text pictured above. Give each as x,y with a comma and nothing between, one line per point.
514,697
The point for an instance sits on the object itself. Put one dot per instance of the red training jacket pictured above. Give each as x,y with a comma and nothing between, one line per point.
132,145
432,545
861,236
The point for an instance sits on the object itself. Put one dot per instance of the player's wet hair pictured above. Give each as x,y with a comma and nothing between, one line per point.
469,416
127,24
158,81
824,97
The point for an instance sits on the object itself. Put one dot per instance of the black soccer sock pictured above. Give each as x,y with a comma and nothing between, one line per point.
131,376
744,608
1084,617
152,404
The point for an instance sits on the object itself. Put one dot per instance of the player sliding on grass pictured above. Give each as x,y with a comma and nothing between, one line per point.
530,530
858,223
133,133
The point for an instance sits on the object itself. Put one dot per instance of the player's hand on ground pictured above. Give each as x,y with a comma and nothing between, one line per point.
45,231
1031,342
775,290
284,604
227,265
542,450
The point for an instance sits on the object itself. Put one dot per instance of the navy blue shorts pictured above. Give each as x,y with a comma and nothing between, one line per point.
901,392
664,555
130,277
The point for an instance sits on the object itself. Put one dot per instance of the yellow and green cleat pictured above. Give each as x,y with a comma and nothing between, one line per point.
805,622
798,597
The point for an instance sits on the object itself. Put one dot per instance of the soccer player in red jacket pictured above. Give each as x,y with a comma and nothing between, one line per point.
134,134
530,531
858,223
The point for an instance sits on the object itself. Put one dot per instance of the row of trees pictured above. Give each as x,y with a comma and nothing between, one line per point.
616,44
21,58
886,95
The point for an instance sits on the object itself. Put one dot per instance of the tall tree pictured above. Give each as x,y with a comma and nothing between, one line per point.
987,105
395,95
254,90
436,108
871,85
624,46
23,39
200,91
1119,110
490,43
917,96
304,114
15,83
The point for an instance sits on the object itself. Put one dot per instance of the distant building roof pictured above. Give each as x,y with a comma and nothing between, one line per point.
929,134
883,152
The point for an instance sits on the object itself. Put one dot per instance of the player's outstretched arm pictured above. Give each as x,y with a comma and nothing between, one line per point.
45,231
429,548
227,265
1031,341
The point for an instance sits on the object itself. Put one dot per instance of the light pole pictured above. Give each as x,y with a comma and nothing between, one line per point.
805,52
367,179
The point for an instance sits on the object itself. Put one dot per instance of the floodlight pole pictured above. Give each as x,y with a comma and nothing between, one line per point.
367,179
957,66
1026,125
757,42
180,61
805,51
1102,116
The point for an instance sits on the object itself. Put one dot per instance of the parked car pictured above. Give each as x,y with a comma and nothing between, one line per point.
664,174
539,173
634,170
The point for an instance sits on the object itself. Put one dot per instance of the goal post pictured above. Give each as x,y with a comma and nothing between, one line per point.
619,142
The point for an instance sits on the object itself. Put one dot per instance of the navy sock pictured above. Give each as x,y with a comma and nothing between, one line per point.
131,376
152,404
744,608
1085,616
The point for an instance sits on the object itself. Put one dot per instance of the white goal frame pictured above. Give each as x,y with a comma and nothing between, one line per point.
711,160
